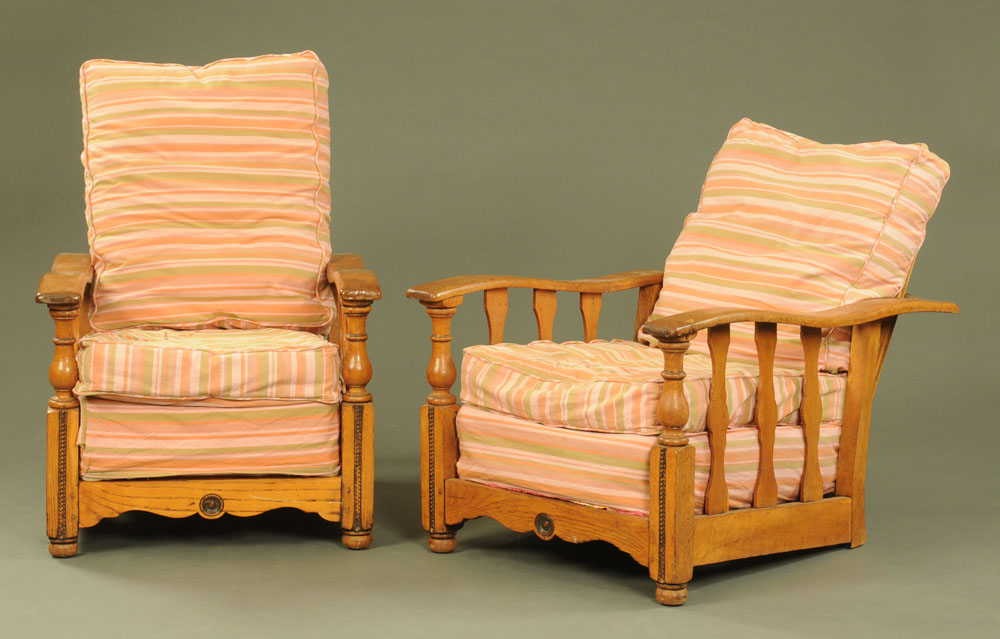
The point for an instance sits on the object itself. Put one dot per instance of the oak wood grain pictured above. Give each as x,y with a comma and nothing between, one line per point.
590,309
465,284
242,497
717,492
543,303
495,305
852,314
765,492
572,522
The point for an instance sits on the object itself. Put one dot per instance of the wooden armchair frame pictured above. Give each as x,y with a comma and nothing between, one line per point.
72,504
671,540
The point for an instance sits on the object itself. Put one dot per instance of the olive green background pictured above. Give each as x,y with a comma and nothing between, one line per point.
559,139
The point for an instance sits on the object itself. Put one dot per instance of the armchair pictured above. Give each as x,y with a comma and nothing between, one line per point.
210,352
735,422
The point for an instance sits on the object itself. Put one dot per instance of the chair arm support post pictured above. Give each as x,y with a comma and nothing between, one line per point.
671,483
441,371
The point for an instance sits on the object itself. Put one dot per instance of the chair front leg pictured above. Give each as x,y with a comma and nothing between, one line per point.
671,485
438,439
357,451
62,477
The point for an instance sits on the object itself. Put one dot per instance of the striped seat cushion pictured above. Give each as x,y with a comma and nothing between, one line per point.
121,440
785,223
612,469
207,192
250,364
614,386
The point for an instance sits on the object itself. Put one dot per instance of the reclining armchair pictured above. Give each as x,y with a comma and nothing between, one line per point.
735,421
210,352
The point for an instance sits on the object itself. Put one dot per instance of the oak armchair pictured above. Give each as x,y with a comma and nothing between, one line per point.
210,352
735,421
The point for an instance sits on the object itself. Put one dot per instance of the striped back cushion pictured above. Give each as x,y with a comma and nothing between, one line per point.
785,223
208,192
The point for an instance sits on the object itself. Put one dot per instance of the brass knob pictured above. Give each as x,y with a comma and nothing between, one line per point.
211,505
544,527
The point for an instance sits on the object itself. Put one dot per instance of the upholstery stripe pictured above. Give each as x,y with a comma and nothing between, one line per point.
208,193
250,364
613,386
612,469
786,223
120,440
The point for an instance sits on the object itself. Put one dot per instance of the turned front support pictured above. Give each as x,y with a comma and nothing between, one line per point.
357,427
438,440
671,484
62,459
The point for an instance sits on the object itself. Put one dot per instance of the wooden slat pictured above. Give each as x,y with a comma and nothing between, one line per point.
495,303
644,306
765,492
810,411
573,522
717,493
544,304
181,497
590,308
753,532
866,355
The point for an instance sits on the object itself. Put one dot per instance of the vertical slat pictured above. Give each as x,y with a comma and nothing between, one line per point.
765,492
717,493
544,304
866,357
644,307
590,308
811,488
495,303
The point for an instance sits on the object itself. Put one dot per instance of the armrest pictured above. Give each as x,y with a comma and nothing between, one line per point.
353,282
689,323
455,286
67,282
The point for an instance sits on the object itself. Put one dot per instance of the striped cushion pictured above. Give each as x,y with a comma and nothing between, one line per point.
786,223
130,440
265,363
613,386
207,192
612,469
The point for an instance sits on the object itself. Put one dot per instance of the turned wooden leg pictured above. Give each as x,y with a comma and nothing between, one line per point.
62,475
357,437
438,440
671,486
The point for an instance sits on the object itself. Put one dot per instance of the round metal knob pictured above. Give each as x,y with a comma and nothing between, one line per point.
544,527
211,505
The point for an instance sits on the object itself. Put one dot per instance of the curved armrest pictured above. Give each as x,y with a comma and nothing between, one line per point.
456,286
67,282
689,323
353,282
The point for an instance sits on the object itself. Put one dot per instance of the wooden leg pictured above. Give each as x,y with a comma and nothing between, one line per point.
357,456
62,481
438,459
671,521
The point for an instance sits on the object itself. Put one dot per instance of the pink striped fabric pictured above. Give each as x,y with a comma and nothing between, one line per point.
614,386
790,224
611,470
207,192
249,364
121,440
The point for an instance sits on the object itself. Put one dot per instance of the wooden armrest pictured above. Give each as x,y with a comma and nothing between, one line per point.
456,286
67,282
689,323
347,273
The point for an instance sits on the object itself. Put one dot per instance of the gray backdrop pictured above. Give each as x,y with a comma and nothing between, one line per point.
558,139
